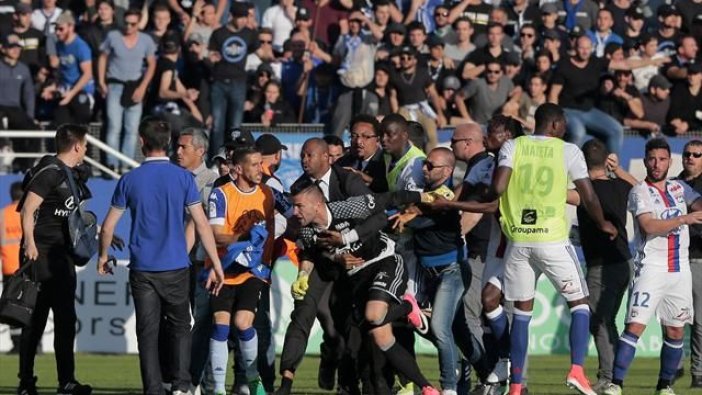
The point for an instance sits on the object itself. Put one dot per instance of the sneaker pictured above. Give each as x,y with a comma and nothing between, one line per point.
500,373
515,389
415,317
179,392
256,387
407,389
449,392
428,390
326,376
576,380
665,391
74,388
28,388
240,389
612,389
601,385
696,382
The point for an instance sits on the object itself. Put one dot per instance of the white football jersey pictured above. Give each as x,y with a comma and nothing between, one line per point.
667,253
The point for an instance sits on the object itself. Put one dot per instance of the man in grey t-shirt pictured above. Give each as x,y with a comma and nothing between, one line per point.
485,95
123,80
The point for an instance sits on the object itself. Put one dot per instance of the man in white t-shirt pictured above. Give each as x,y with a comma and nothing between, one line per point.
662,282
280,18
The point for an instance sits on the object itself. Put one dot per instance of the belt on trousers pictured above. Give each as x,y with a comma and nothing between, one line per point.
437,270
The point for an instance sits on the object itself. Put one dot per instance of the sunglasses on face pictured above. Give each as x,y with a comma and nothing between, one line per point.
265,42
494,71
430,166
130,24
527,35
355,136
695,155
445,14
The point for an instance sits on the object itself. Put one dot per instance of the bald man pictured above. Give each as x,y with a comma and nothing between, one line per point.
440,250
376,277
312,289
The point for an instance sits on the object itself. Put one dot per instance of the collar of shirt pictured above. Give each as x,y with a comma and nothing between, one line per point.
200,169
323,183
325,178
156,158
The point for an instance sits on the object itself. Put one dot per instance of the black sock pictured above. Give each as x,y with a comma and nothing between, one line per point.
403,362
285,386
662,383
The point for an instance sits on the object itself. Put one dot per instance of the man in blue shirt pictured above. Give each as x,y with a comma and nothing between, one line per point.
75,86
156,194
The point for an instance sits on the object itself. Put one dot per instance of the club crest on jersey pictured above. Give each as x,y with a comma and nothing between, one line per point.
671,212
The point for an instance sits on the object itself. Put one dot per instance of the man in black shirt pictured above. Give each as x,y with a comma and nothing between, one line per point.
414,86
45,209
692,175
608,261
33,40
476,61
229,46
619,97
575,85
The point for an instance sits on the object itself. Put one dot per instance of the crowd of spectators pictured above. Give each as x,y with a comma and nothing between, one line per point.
610,64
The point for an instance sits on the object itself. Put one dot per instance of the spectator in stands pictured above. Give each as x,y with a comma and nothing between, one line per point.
619,97
281,19
690,10
485,96
303,23
543,65
554,43
123,81
33,40
574,87
477,11
438,64
414,86
572,13
94,33
634,19
203,23
417,37
476,61
263,54
686,53
365,157
647,50
521,13
161,20
273,109
685,112
549,21
326,15
442,24
255,89
656,103
668,29
75,86
448,88
16,86
353,51
394,39
335,147
228,48
44,18
602,34
169,99
498,16
463,30
528,103
527,44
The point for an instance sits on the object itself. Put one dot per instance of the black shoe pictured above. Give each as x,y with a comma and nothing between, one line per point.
28,388
696,382
326,377
74,388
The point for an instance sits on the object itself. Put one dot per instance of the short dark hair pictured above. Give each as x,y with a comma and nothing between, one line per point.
393,118
132,12
595,152
155,133
455,23
490,25
417,134
68,135
657,143
505,122
547,113
159,8
693,143
240,155
416,25
16,190
369,119
333,139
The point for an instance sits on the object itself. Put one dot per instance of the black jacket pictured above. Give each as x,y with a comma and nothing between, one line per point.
375,168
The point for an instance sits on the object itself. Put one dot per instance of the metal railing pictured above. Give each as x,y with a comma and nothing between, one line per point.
94,141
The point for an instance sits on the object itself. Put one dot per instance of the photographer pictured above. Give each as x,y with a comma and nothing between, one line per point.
45,209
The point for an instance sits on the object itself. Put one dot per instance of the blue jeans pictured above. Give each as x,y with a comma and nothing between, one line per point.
122,124
228,99
446,300
597,123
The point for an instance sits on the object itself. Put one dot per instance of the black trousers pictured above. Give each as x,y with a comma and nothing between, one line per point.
302,319
157,295
58,295
78,111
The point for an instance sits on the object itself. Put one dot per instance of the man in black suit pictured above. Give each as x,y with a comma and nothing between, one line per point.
312,288
365,157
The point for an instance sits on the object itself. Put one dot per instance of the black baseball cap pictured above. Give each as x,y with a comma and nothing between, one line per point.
239,9
435,41
238,138
635,12
659,81
302,14
396,28
268,144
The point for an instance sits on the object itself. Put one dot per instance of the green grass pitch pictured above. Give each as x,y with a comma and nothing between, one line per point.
119,374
